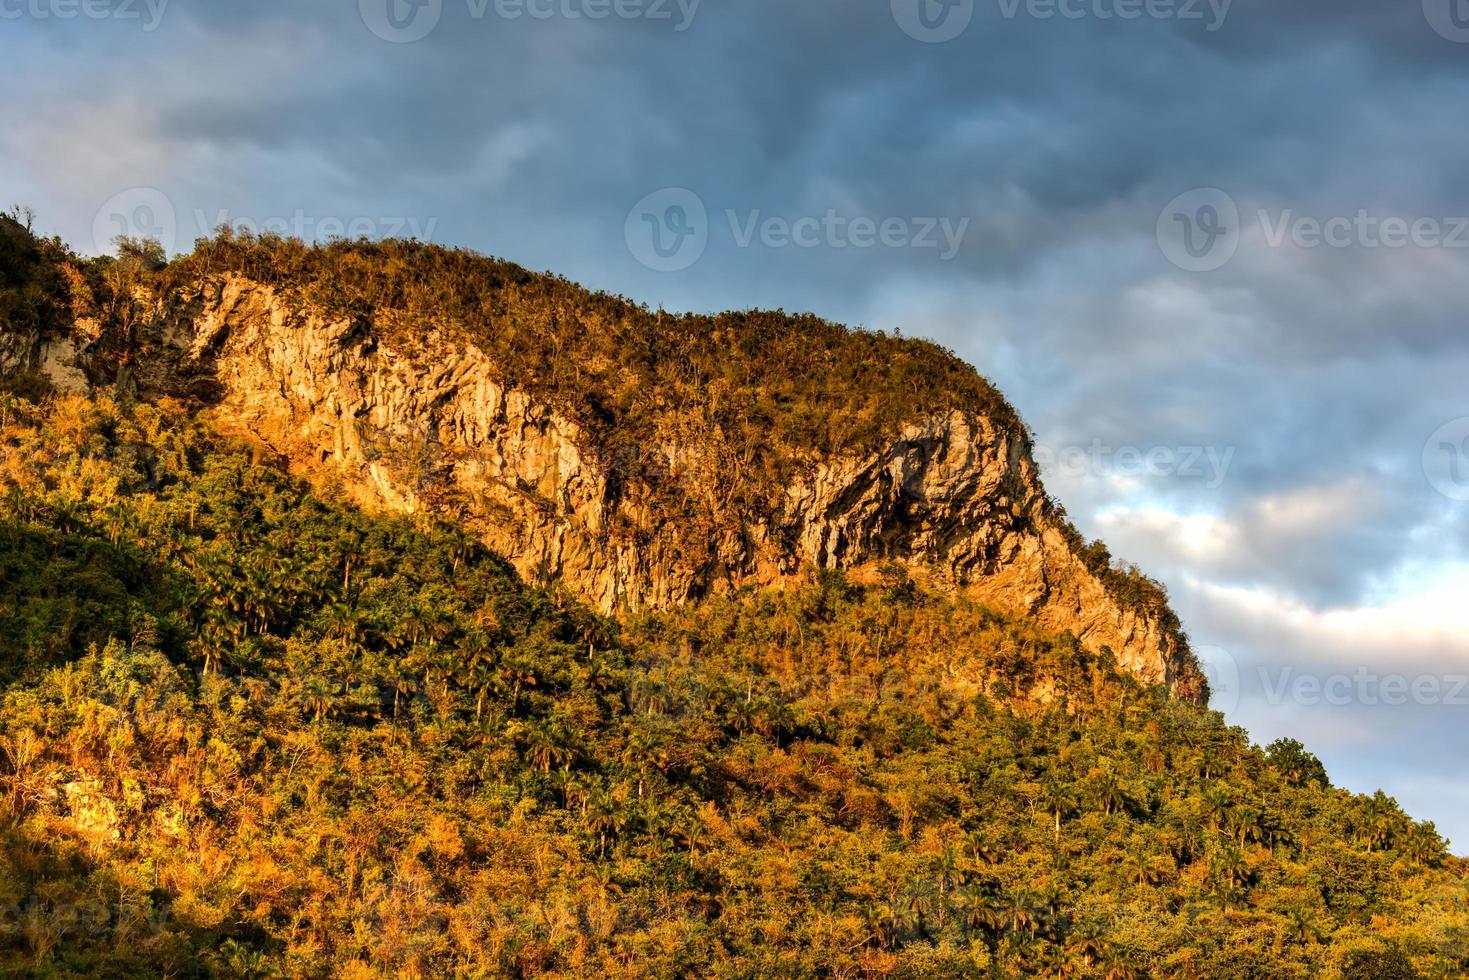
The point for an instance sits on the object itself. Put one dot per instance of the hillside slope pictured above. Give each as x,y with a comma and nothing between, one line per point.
247,730
639,459
743,646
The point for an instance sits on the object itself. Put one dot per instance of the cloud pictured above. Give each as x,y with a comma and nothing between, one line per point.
1378,690
1321,542
1419,625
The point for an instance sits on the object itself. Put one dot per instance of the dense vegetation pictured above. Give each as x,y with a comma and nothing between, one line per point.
776,386
34,293
764,391
772,389
246,730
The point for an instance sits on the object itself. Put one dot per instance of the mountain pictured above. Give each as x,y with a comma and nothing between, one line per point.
382,609
640,459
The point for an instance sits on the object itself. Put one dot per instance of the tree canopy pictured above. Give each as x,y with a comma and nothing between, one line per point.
249,730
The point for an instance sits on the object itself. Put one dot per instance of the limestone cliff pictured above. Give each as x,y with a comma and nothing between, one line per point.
641,459
427,421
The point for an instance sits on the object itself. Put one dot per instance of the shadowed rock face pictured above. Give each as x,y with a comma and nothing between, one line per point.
426,424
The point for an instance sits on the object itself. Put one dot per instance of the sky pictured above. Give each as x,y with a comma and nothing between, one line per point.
1217,253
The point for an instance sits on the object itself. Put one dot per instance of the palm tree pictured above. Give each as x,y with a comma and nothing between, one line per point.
1109,792
119,520
546,747
1185,838
218,632
1087,943
349,543
1424,845
1216,805
884,921
918,902
1057,801
1140,867
1210,761
1227,895
516,673
687,830
984,913
1274,832
642,748
1302,924
1230,872
341,622
67,513
402,682
1376,824
649,696
742,715
1020,911
947,866
601,816
476,660
1245,823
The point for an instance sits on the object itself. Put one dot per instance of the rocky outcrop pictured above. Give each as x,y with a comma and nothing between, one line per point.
962,496
428,424
59,360
425,421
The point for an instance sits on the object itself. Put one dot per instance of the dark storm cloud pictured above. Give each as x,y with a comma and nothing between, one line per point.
1024,127
1400,33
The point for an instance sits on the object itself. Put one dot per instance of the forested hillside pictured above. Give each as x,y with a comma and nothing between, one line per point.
639,457
250,731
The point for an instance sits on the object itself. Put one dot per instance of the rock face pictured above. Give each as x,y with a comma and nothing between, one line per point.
428,423
57,359
433,427
963,497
